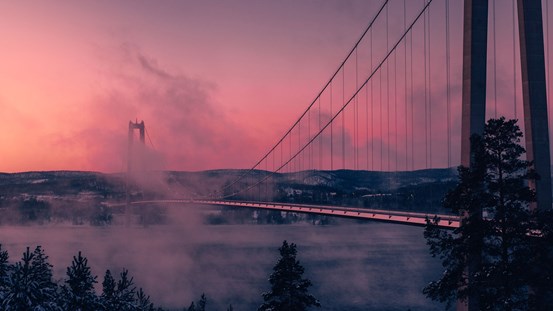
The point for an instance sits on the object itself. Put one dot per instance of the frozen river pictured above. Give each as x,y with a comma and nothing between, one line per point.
353,265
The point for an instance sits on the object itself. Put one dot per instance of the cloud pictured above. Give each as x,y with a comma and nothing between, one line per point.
184,122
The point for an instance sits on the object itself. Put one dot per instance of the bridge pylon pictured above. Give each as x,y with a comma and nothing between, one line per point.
142,130
534,98
130,159
534,95
475,46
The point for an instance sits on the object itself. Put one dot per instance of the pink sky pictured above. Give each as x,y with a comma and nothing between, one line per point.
216,82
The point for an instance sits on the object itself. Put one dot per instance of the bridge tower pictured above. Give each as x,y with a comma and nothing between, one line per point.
131,137
532,61
535,97
475,48
141,128
533,91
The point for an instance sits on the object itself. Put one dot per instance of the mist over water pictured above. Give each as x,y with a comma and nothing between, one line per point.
353,265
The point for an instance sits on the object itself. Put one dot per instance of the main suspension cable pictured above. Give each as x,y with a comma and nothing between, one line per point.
429,90
515,62
405,82
448,80
425,93
494,62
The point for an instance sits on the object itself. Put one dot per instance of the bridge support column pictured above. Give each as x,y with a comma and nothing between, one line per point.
535,97
141,128
475,40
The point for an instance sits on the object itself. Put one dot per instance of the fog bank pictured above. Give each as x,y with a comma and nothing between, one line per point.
354,266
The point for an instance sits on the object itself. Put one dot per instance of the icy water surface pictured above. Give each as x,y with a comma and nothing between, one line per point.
353,266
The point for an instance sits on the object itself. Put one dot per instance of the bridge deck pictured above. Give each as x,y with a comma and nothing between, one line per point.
399,217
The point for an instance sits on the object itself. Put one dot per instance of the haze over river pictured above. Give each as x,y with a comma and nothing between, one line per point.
353,265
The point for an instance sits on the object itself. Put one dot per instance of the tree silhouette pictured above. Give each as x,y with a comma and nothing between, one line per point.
120,294
490,257
143,301
199,306
29,286
289,290
78,291
108,297
4,270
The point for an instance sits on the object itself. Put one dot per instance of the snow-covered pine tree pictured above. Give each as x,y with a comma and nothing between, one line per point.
78,291
143,301
30,286
120,294
126,291
108,297
5,268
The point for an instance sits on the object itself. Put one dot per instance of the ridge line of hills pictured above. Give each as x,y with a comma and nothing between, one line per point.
82,196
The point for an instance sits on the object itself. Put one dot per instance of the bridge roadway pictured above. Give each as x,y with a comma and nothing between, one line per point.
399,217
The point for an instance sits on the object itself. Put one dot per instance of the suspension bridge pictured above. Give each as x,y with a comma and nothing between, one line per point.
407,96
420,80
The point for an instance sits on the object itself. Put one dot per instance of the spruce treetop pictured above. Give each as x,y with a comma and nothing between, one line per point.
289,290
